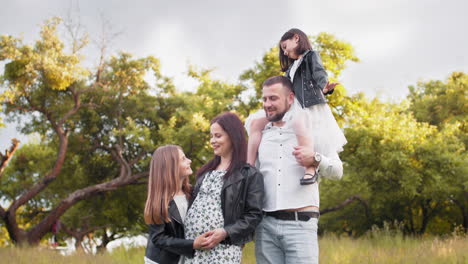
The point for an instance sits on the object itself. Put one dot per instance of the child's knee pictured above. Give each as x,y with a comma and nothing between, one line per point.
258,124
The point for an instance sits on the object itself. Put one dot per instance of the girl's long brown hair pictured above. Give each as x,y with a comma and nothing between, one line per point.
164,183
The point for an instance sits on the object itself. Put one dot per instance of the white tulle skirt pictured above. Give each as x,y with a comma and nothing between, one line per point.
319,121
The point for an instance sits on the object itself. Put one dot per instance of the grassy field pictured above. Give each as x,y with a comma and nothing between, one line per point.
382,249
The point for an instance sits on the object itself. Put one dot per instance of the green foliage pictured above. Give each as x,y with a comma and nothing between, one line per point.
30,159
268,67
334,53
47,85
406,169
440,103
189,122
44,66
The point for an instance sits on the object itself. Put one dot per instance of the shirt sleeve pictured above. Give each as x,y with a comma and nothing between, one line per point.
331,167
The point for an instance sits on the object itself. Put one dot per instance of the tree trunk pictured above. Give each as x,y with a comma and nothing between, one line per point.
17,235
464,211
428,213
105,239
79,235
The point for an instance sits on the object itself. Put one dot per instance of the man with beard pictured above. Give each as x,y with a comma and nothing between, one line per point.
288,231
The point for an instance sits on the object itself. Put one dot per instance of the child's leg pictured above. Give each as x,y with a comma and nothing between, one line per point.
255,136
306,141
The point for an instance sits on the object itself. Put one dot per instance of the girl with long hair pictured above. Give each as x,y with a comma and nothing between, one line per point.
166,207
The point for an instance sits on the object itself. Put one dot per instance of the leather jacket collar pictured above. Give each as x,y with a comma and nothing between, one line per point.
174,212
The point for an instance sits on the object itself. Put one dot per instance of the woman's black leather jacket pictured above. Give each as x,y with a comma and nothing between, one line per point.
241,202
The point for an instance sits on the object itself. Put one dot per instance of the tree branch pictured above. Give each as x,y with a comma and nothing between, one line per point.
346,202
38,187
38,231
2,212
41,110
63,145
80,232
76,107
125,168
5,158
138,157
142,182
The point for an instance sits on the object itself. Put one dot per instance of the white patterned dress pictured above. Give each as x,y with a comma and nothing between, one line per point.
206,214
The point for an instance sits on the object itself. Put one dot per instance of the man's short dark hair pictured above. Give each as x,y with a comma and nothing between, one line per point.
278,79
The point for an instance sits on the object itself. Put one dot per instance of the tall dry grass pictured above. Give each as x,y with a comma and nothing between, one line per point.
379,247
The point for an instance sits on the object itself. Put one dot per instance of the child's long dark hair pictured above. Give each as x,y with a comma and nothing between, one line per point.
232,125
302,46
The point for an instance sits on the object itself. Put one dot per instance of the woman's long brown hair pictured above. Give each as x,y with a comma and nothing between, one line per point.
163,184
233,126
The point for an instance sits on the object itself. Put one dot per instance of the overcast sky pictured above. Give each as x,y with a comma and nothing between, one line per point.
399,42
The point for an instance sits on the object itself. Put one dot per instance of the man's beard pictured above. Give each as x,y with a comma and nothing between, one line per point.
276,117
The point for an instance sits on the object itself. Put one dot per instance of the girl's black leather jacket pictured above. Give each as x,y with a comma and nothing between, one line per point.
309,80
166,241
241,202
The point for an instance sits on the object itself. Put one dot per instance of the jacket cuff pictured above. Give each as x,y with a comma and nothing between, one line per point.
189,251
228,233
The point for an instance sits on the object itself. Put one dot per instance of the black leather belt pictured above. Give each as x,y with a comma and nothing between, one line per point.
287,215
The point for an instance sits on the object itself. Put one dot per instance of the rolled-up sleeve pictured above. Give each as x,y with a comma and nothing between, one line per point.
331,167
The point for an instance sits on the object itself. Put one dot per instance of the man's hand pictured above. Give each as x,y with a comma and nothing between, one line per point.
214,237
200,240
305,156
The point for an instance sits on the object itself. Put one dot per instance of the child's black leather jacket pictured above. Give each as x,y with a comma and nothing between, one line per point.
309,80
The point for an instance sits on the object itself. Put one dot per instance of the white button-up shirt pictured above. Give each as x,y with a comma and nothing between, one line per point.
282,173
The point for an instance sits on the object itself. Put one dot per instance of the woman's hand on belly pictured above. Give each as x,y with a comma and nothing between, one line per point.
213,237
200,241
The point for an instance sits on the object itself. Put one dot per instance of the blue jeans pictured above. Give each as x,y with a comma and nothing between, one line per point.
286,242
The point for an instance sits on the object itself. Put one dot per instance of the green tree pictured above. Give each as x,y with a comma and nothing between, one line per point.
47,85
405,170
445,104
438,103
